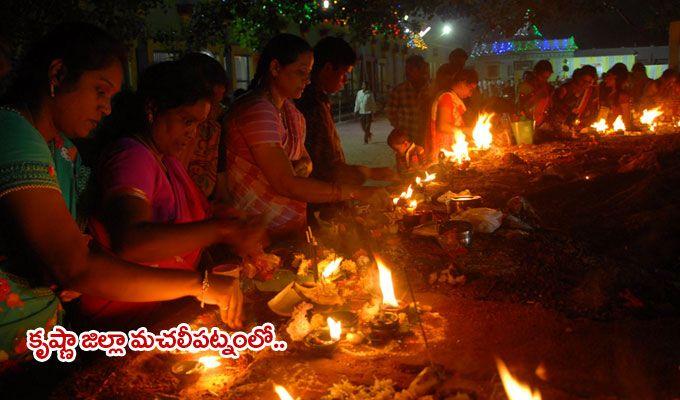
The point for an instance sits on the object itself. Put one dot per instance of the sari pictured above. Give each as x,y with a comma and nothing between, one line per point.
132,169
253,120
28,298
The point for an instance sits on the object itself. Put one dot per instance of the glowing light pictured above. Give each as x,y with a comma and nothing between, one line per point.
619,125
386,286
446,29
600,126
459,153
326,4
405,17
331,268
210,361
282,392
648,117
482,132
513,388
335,328
424,31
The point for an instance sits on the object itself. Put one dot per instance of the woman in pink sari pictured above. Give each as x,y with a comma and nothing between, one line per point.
151,210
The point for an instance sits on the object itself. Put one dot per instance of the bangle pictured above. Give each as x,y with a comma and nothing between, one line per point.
204,286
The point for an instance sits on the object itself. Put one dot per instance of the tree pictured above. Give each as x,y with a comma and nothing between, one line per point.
23,21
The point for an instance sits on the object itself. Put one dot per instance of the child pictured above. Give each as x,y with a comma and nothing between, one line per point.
409,155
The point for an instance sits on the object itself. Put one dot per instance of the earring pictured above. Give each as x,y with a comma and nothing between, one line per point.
52,89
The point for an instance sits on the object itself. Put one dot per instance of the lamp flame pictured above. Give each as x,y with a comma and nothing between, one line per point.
210,361
331,267
386,286
481,134
513,388
648,117
619,125
429,177
460,149
600,126
282,392
335,328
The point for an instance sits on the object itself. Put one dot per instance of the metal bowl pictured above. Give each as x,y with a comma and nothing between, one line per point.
462,229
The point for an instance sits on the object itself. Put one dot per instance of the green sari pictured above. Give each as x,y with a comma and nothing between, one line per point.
28,162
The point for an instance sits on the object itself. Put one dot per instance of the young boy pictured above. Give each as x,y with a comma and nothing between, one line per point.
409,155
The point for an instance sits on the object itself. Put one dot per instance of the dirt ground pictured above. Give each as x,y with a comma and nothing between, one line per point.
584,305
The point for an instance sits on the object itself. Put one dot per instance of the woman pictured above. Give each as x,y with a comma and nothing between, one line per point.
200,155
64,86
267,166
446,117
535,102
614,95
151,210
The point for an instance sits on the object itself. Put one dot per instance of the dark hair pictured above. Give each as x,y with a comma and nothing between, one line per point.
162,86
543,66
669,74
209,68
284,48
458,53
443,79
528,75
467,75
415,60
589,70
396,137
80,46
639,67
333,50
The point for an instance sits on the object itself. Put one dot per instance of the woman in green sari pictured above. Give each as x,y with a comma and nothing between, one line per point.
61,90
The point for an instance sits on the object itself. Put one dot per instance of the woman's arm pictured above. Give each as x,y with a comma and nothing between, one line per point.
445,121
279,173
52,237
136,238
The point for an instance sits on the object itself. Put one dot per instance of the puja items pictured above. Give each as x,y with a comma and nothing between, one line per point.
286,300
261,266
324,340
386,322
457,202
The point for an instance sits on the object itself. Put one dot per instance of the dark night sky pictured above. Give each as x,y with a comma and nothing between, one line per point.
638,23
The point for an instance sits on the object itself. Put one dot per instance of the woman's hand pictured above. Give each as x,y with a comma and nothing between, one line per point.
247,236
384,174
375,196
302,167
225,292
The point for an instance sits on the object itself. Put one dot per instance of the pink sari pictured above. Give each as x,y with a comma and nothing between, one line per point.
133,169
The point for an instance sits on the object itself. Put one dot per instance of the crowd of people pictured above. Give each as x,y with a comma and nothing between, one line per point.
170,174
427,115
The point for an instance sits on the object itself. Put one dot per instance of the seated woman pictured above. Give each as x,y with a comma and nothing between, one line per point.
535,102
409,156
614,96
574,104
447,112
64,86
151,212
266,164
664,92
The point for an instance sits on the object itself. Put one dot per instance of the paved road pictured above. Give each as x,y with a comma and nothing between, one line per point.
374,154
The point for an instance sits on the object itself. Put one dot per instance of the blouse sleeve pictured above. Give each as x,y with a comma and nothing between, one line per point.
25,159
260,124
130,171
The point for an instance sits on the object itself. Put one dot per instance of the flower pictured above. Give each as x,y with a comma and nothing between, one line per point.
4,289
14,301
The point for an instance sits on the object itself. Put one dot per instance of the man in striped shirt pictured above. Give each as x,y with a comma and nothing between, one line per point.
405,106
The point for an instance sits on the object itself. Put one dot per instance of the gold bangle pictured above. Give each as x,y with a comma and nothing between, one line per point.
204,286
